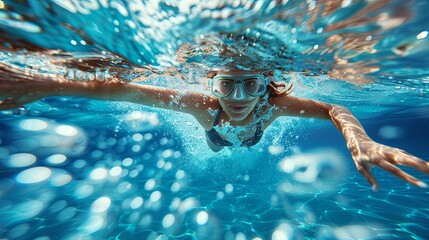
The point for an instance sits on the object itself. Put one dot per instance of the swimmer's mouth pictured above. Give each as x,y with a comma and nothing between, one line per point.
238,109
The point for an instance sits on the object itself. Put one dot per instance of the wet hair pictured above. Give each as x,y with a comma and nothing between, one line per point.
279,88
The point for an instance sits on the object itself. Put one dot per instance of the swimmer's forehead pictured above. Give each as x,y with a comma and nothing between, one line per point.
236,72
240,76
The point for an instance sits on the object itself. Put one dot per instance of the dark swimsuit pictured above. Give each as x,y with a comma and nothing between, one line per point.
213,136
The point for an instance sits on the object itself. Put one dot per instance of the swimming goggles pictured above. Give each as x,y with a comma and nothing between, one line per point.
253,84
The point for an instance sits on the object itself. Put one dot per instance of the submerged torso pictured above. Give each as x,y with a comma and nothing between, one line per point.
215,138
222,132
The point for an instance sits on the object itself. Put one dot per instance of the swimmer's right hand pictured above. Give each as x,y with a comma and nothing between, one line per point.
367,154
19,87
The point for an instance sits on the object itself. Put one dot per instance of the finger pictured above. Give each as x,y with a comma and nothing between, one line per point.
369,177
401,174
403,158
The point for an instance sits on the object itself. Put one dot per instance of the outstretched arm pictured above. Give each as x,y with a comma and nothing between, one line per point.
365,152
18,87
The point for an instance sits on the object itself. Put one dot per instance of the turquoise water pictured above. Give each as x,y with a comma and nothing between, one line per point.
74,168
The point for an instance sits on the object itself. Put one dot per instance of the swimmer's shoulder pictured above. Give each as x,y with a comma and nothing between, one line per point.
281,104
204,108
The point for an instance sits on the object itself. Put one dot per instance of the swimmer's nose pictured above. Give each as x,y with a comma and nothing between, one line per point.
238,93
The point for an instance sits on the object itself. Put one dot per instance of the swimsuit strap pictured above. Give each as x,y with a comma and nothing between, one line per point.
259,123
216,121
259,126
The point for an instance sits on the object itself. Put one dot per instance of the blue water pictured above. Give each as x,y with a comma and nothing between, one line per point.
74,168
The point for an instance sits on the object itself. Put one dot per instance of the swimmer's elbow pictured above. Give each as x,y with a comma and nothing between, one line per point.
339,112
329,111
334,108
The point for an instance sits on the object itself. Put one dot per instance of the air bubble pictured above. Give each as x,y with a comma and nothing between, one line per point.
229,188
422,35
20,160
34,175
136,202
168,220
202,217
101,205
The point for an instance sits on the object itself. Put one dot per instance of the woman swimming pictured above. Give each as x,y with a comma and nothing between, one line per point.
241,98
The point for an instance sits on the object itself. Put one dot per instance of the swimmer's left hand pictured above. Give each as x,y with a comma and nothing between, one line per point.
367,154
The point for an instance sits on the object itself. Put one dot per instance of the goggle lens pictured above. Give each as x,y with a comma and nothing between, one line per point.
255,86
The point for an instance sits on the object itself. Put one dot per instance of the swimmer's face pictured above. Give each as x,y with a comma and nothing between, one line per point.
238,104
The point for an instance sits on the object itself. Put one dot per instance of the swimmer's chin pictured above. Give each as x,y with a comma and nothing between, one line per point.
234,119
237,117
